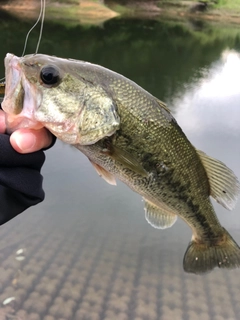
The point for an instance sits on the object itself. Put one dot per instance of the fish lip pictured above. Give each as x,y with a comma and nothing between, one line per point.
18,104
13,84
12,61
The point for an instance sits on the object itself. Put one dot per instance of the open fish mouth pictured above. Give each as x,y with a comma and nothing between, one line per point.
14,92
20,100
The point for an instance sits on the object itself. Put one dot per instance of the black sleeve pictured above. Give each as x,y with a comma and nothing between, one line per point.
20,180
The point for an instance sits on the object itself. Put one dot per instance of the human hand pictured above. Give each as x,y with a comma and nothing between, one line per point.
27,140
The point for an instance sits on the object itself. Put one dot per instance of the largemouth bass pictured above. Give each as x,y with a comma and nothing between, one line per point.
128,134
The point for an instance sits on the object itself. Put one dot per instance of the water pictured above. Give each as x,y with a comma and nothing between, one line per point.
89,253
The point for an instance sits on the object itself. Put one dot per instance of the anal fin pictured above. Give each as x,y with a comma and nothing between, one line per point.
107,176
159,217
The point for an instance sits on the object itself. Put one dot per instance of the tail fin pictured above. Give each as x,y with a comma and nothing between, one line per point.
201,258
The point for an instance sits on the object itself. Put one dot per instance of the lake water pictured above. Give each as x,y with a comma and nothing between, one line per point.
88,252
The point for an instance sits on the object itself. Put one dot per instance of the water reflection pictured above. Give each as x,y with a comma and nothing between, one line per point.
209,113
212,103
89,253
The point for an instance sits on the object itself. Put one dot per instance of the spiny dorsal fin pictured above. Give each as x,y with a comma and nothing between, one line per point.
163,105
224,185
107,176
159,217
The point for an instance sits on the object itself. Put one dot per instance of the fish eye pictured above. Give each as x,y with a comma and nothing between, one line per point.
50,75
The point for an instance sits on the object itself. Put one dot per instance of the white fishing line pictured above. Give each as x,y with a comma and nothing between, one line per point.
41,17
43,4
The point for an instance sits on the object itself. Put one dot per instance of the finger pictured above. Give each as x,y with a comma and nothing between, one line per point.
27,140
2,122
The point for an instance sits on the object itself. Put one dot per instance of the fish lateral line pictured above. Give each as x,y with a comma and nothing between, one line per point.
119,144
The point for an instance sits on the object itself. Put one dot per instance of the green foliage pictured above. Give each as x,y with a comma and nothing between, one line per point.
74,2
122,10
228,4
162,49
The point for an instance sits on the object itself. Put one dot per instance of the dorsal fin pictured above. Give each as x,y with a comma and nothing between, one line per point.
163,105
224,185
159,217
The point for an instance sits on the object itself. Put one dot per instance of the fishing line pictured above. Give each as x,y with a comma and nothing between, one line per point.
43,6
41,17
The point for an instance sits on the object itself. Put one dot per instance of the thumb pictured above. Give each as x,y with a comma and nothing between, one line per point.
29,140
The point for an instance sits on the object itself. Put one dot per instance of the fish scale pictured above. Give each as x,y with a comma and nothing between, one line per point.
129,134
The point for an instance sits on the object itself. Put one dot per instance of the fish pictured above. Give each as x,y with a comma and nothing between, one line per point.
130,135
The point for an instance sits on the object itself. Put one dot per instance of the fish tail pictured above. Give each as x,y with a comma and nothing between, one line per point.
203,257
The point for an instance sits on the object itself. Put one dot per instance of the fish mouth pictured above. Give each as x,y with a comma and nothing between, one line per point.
20,100
13,89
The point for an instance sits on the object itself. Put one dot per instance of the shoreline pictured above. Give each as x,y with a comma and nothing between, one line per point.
94,12
175,10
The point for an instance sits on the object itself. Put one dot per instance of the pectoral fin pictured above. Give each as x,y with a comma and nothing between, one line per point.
224,185
159,217
126,159
107,176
